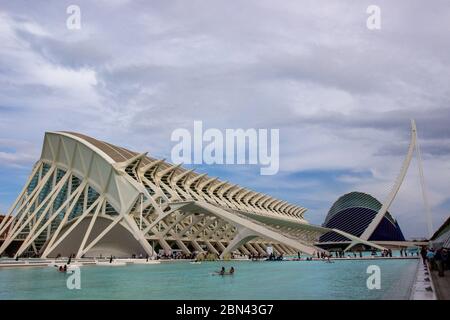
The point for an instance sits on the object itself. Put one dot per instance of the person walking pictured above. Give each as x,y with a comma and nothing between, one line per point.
423,254
445,262
438,261
430,258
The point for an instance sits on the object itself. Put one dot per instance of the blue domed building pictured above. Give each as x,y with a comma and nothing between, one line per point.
352,213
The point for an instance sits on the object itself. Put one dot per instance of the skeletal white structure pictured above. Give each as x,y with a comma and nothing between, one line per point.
413,146
87,197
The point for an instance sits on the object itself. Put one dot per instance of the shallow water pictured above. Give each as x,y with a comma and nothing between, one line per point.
182,280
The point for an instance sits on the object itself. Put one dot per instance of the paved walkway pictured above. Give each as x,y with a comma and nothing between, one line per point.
423,287
441,285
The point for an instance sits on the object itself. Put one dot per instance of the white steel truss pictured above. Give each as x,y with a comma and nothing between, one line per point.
87,197
413,146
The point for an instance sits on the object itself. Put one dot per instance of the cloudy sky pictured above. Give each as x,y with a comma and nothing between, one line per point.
341,95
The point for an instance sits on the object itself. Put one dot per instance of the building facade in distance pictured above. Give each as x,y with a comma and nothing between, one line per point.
353,213
87,198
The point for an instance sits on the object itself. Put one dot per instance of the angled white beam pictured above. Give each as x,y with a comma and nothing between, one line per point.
126,163
36,168
168,170
176,178
89,229
387,203
102,234
52,244
33,235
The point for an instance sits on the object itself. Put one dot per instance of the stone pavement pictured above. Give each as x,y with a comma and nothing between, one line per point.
423,288
441,285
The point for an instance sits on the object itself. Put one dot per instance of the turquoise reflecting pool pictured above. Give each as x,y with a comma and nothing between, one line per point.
182,280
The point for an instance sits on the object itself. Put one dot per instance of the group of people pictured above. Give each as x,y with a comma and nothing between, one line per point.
324,255
437,259
222,271
62,268
268,257
273,257
404,252
175,255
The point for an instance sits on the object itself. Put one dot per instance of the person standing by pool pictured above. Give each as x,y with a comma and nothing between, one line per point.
430,258
423,253
438,260
444,254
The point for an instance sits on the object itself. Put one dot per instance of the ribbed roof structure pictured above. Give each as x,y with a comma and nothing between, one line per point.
86,197
353,212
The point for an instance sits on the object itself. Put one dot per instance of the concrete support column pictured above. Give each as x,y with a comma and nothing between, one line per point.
258,247
251,248
242,236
